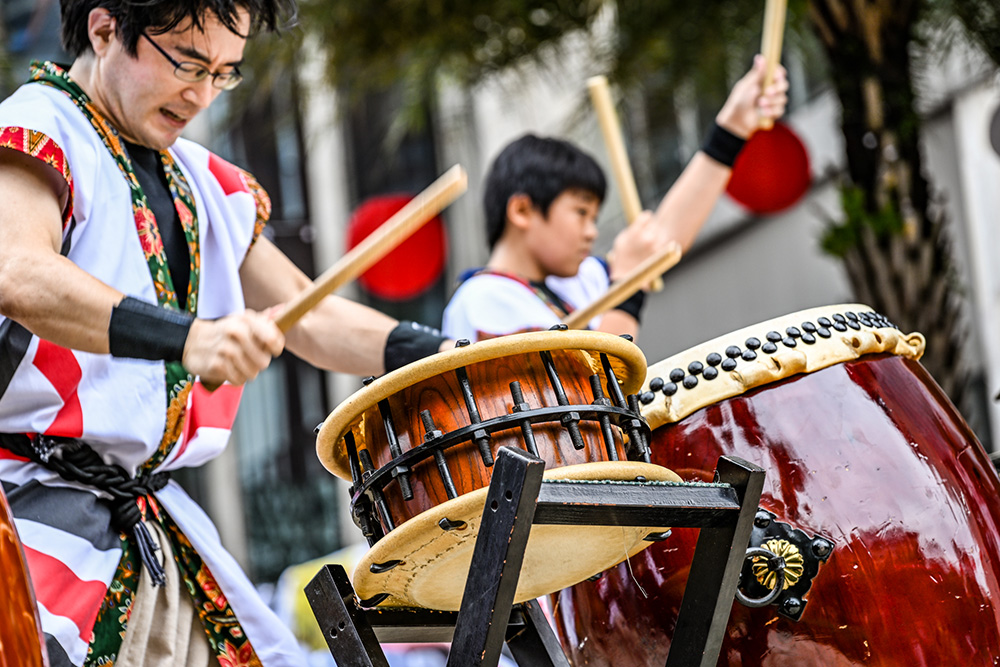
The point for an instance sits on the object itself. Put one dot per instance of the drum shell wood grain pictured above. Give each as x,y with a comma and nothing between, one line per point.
442,396
20,628
870,453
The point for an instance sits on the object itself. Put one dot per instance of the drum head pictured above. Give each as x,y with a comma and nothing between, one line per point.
435,562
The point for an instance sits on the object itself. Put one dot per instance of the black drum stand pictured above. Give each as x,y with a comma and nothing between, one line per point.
518,498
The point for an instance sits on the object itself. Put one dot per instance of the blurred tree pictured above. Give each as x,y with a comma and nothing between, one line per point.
892,237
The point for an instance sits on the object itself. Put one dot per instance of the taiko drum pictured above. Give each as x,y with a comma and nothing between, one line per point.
418,446
863,451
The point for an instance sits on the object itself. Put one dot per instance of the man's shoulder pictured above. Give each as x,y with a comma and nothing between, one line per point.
40,108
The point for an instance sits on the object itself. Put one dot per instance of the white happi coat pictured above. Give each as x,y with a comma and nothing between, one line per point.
118,406
490,305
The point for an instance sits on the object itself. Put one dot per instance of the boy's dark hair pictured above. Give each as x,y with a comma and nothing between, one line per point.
542,168
137,16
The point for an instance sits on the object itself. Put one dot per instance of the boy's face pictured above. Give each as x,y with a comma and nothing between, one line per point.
560,241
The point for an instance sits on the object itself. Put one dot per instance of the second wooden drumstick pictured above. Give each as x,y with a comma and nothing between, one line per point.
621,168
642,275
377,245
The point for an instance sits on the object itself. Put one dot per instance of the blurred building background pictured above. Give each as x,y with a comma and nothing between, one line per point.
321,158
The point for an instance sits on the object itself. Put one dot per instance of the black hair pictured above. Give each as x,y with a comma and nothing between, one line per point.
137,16
541,168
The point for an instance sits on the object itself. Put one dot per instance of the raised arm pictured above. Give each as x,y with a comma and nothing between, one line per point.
687,205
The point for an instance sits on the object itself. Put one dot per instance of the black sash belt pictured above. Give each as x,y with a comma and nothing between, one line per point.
76,461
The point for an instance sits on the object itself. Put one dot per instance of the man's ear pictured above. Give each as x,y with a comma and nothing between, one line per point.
521,210
102,29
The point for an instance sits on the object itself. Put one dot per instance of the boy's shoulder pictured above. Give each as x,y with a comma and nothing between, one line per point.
492,304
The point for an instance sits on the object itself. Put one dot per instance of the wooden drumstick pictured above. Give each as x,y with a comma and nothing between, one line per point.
770,45
374,247
643,274
621,168
378,244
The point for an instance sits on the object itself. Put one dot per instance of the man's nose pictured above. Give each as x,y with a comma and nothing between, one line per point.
201,93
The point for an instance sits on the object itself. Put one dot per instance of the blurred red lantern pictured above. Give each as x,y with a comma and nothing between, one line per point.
413,266
771,172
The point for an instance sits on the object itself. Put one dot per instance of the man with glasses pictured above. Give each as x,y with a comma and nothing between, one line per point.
132,270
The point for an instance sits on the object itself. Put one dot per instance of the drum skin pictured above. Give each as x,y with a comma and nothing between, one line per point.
869,453
441,395
20,636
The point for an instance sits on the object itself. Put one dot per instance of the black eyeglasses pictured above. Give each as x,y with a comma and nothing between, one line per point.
193,72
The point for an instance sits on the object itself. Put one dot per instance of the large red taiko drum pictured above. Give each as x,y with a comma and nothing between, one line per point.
862,451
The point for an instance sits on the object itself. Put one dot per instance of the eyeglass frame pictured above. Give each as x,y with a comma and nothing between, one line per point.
201,73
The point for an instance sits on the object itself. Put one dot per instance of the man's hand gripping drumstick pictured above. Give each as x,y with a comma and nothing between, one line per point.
621,290
237,347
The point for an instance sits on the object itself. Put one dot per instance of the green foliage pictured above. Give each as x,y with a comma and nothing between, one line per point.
981,19
840,238
372,45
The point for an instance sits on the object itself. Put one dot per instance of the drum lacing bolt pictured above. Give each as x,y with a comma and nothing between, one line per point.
604,420
448,524
463,342
821,548
433,433
559,327
379,568
775,564
480,437
657,537
792,606
636,437
570,420
627,337
373,601
596,577
520,405
400,473
763,519
368,380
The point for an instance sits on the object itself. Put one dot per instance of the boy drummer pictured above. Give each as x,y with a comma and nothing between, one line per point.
541,201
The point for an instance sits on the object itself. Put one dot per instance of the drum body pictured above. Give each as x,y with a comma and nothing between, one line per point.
419,446
21,643
869,454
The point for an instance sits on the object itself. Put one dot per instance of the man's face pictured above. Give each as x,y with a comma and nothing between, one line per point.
561,240
142,97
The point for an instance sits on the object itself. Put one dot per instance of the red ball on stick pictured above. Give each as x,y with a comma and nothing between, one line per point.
413,266
772,171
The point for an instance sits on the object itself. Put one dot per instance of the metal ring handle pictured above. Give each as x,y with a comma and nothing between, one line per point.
777,565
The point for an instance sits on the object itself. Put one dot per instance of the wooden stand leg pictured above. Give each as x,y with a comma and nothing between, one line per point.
344,624
535,643
715,572
496,560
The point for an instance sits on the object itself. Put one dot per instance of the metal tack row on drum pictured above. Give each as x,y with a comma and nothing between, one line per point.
876,490
418,447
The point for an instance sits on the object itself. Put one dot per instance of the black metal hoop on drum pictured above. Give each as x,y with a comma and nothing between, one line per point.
368,484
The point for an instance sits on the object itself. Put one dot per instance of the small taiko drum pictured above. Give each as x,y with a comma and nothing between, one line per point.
418,446
21,641
883,506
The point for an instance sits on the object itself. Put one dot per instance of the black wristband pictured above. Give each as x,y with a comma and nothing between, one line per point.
141,330
722,145
410,342
633,305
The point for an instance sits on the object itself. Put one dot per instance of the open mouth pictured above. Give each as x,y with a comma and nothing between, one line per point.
174,117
